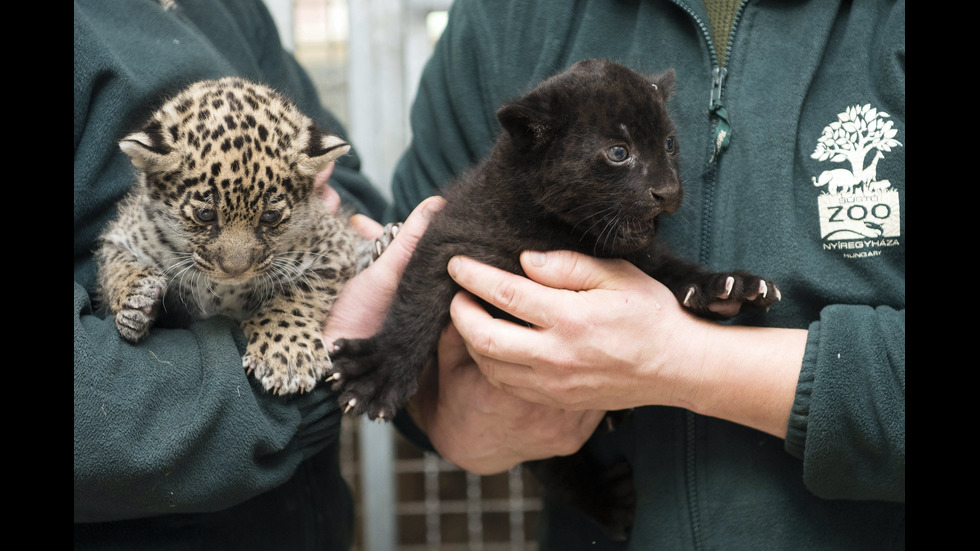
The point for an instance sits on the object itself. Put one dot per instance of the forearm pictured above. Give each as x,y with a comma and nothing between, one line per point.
624,342
747,375
174,425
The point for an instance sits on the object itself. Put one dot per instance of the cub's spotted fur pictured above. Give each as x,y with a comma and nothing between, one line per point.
225,219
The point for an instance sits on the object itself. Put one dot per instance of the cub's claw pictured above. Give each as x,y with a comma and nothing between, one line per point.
289,363
687,297
389,234
722,296
365,381
370,250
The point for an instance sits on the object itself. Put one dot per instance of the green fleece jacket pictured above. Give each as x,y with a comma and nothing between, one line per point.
174,446
793,160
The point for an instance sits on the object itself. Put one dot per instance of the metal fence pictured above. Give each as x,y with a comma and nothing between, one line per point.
439,507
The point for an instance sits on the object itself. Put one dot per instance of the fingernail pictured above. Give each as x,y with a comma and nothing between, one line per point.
453,266
433,205
538,259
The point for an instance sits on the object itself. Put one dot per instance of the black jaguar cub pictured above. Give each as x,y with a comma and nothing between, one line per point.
587,162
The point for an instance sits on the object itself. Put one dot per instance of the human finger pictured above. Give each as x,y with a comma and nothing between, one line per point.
573,271
514,294
362,305
491,339
366,227
396,256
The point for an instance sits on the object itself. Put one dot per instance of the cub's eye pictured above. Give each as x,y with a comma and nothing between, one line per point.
617,154
271,217
671,145
205,215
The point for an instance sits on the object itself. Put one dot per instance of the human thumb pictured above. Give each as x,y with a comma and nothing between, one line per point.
573,271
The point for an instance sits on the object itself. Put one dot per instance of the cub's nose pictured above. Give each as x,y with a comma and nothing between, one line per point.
667,199
235,265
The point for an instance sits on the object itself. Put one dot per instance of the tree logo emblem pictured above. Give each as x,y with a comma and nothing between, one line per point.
858,206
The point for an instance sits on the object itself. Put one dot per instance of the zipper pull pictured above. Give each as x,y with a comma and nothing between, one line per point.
723,131
718,75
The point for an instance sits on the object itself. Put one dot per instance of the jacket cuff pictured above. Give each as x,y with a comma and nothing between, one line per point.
799,416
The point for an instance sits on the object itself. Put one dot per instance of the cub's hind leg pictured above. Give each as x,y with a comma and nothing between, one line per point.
376,376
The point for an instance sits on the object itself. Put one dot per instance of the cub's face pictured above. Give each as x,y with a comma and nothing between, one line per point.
607,150
228,169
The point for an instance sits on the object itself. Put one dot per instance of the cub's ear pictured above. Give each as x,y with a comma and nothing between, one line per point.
665,83
147,149
323,149
529,123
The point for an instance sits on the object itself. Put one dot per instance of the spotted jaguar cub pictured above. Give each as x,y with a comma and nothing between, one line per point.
225,219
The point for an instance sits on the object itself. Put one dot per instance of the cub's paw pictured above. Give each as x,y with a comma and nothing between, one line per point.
366,382
371,250
139,308
724,295
287,361
387,236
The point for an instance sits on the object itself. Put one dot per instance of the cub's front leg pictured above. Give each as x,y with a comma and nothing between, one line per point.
131,290
713,295
285,349
376,376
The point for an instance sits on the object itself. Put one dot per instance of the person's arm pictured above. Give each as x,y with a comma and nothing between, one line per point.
606,336
453,117
175,425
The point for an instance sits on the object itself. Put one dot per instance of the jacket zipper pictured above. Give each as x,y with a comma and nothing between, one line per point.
723,127
722,136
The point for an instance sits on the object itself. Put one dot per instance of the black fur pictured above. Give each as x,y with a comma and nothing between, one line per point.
555,179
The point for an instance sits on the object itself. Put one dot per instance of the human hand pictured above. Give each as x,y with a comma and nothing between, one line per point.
483,429
364,302
604,335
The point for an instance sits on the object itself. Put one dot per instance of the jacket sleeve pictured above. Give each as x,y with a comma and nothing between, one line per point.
848,420
175,425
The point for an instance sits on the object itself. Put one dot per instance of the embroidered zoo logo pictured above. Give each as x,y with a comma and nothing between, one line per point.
859,208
